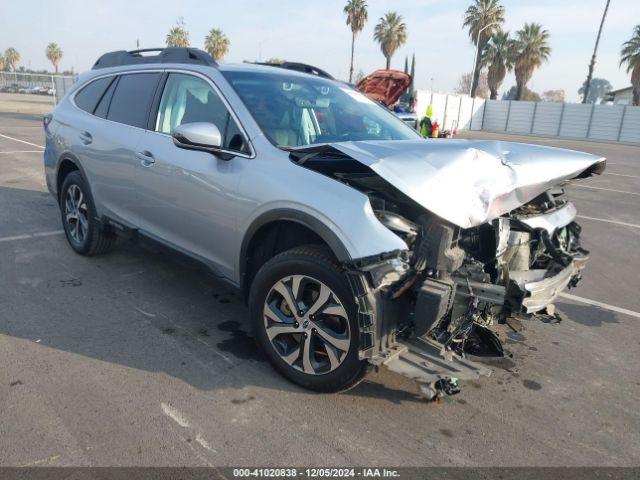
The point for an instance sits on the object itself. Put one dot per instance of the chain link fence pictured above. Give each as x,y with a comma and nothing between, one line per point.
31,93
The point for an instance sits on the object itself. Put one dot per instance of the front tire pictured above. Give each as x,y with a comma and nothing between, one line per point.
303,316
79,219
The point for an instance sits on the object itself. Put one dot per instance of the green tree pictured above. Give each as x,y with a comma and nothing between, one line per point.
630,55
483,19
498,55
391,34
531,50
592,64
11,58
178,35
357,15
597,91
54,54
1,62
217,44
526,95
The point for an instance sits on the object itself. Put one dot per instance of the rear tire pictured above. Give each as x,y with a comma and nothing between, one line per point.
81,227
316,346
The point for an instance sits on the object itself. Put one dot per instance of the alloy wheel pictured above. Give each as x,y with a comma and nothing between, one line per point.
76,214
307,324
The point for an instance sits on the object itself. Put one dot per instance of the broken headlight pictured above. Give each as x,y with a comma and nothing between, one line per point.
386,272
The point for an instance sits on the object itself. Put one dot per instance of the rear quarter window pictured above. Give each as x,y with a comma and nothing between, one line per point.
89,96
103,106
132,99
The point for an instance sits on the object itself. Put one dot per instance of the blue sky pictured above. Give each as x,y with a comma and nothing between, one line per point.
314,31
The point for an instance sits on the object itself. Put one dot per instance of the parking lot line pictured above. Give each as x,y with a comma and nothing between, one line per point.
625,224
175,415
623,175
22,151
606,189
595,303
27,236
21,141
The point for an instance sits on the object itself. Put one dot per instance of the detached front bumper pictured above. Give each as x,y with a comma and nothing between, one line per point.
537,289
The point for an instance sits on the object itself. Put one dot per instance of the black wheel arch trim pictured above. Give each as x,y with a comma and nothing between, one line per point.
297,216
70,157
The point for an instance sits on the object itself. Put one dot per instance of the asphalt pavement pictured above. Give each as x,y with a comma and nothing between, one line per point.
140,358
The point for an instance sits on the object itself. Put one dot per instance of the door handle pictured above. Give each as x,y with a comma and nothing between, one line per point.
86,138
146,158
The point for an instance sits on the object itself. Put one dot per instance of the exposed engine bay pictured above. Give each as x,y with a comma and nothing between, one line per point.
460,282
454,283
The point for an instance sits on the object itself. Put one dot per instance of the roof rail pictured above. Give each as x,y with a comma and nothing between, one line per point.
165,55
299,67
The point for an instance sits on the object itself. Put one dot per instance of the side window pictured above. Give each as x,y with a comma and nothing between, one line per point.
189,99
88,97
103,106
132,98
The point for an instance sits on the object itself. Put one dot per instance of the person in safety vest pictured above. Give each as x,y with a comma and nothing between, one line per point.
427,123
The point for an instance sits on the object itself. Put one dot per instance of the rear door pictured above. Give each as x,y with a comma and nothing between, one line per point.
109,140
188,198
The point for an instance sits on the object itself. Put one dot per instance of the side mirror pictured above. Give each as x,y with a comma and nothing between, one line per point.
198,136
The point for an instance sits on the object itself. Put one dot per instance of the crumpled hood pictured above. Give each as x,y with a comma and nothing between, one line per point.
470,182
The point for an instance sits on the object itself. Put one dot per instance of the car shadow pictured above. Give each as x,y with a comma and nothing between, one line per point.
141,306
373,389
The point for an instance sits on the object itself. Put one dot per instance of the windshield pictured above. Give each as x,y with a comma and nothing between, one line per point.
294,111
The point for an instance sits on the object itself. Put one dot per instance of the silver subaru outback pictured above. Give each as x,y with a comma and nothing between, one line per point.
355,242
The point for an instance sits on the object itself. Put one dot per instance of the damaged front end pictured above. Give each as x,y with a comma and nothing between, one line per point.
426,311
515,265
434,306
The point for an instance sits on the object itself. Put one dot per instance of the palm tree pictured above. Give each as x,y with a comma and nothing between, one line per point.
483,19
498,54
11,58
217,44
531,50
54,54
178,35
587,85
630,54
357,15
390,33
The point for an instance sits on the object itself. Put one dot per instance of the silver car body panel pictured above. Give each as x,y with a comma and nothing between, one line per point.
469,182
553,220
197,202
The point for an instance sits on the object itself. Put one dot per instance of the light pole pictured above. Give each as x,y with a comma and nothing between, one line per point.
475,57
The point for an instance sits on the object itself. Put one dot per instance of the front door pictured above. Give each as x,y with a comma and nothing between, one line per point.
188,198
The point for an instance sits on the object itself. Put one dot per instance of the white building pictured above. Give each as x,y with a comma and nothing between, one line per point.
623,96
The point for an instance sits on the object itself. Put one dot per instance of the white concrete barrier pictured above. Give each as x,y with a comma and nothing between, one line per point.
616,123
